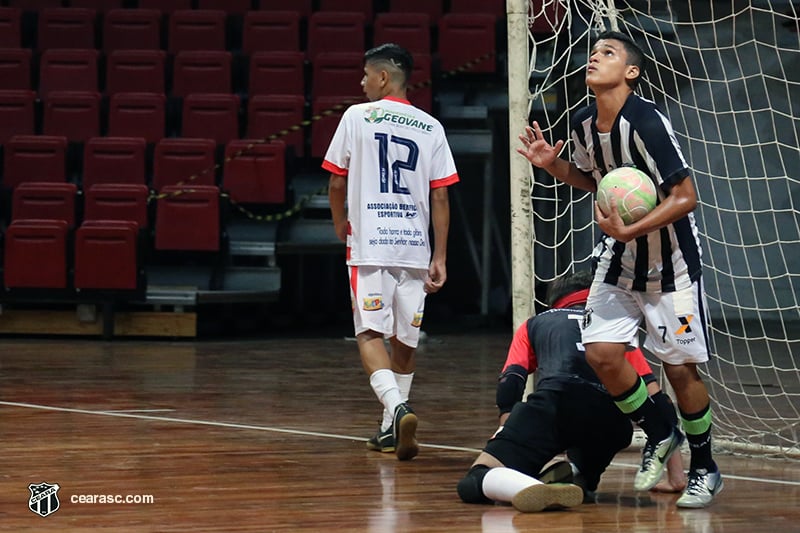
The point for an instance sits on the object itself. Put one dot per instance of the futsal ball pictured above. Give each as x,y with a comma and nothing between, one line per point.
634,190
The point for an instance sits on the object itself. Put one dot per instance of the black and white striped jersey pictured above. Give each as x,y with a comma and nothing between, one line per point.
665,260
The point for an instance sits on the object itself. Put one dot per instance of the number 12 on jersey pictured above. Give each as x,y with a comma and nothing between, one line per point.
396,166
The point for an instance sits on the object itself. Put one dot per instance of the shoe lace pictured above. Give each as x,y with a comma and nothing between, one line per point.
696,483
648,454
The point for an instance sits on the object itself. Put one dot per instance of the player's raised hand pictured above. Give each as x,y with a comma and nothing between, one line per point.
536,149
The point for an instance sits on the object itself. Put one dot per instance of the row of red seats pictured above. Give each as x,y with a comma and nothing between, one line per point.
139,29
34,169
129,203
76,117
191,72
434,8
105,255
106,250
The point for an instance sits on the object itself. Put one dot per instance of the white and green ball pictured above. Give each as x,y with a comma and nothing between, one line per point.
634,191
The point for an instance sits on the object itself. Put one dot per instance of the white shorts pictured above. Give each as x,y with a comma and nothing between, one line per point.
675,322
389,300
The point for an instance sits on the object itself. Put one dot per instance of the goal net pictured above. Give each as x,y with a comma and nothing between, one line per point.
727,74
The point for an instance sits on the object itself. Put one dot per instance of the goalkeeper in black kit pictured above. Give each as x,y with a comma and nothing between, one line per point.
570,411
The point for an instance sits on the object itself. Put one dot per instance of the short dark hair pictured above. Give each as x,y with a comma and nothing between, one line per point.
394,55
567,284
634,52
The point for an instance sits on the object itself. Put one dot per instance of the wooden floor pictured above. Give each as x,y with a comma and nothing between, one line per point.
268,435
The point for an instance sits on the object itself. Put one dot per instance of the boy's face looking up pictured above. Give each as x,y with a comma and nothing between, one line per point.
608,66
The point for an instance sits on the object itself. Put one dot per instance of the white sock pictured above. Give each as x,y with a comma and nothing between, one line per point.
386,389
388,420
404,383
502,484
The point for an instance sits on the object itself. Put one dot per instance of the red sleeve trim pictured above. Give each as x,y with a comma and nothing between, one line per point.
444,182
520,352
333,169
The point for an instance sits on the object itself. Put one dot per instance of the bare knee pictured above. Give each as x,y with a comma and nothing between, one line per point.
605,357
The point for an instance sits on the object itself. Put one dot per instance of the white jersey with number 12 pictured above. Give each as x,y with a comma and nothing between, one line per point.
393,154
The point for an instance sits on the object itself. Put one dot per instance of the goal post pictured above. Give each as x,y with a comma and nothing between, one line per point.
727,74
520,173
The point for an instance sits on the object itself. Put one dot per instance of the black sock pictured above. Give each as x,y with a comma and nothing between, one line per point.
637,404
698,432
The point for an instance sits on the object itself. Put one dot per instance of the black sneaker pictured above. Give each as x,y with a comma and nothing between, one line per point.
405,432
382,441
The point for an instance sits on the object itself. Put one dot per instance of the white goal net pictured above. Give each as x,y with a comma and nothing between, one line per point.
727,73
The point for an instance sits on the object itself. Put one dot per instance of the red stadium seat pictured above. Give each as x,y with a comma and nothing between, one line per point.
10,27
546,16
106,255
17,114
270,31
135,71
132,29
330,31
100,6
412,31
466,38
184,160
231,7
15,68
188,219
304,7
34,5
114,160
359,6
137,115
47,201
73,114
66,27
201,71
276,73
211,116
268,115
117,201
167,7
196,30
322,130
67,70
497,8
420,92
433,8
36,254
336,73
34,158
255,174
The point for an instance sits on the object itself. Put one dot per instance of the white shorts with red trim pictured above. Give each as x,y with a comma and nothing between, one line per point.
389,300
